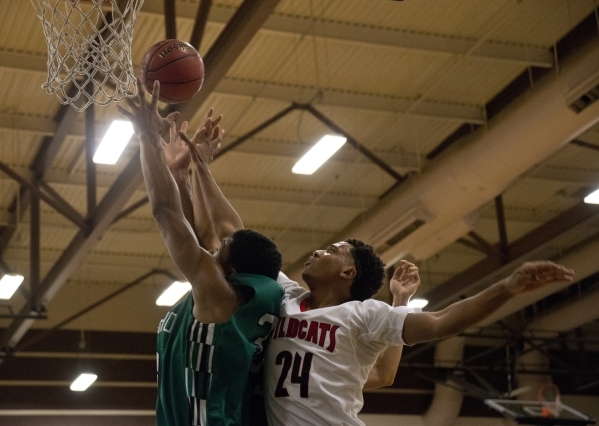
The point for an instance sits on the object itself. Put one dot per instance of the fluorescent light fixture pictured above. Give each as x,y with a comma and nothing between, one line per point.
172,294
592,198
9,284
83,382
115,140
417,303
318,154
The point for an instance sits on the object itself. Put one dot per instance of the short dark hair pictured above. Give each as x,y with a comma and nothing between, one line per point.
370,271
253,253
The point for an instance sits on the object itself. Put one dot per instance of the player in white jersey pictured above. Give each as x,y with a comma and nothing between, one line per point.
319,360
328,338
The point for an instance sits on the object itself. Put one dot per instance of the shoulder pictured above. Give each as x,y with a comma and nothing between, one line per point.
258,287
259,282
291,288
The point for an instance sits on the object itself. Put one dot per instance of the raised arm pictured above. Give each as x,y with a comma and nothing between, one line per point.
214,299
177,159
202,146
403,285
458,317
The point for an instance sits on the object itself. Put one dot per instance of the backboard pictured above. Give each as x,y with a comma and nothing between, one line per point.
529,413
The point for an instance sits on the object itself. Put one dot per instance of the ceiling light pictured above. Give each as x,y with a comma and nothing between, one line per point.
417,303
172,294
592,198
9,284
318,154
83,382
114,142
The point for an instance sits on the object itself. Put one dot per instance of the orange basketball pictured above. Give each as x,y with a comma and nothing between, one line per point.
178,67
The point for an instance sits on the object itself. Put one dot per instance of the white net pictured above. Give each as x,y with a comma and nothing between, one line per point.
89,49
549,397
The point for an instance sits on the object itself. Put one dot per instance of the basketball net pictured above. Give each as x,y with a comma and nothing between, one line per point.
89,49
549,397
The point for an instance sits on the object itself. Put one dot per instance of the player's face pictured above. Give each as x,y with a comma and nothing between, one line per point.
329,261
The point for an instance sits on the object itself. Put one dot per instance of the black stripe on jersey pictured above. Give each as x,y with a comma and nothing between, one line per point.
204,333
202,380
199,332
194,331
205,352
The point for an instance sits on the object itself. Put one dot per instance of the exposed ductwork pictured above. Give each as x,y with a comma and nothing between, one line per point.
463,179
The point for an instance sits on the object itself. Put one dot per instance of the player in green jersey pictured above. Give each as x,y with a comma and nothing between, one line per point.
206,344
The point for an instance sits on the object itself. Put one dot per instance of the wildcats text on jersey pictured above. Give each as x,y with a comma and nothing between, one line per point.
319,333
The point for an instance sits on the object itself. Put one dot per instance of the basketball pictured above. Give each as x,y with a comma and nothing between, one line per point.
178,67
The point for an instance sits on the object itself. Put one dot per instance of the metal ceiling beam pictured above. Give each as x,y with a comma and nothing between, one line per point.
71,258
56,204
40,165
232,41
462,283
170,19
240,30
240,140
404,162
585,144
234,191
484,246
430,43
353,142
426,108
552,174
90,149
460,113
112,295
501,228
200,23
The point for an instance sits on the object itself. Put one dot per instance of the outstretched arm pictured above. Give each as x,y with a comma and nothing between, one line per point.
178,159
214,299
403,285
458,317
203,145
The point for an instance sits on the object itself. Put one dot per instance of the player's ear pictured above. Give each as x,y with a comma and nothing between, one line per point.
349,272
230,271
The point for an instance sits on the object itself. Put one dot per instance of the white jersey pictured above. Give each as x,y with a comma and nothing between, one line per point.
318,361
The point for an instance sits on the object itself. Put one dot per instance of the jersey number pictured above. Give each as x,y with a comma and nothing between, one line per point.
303,378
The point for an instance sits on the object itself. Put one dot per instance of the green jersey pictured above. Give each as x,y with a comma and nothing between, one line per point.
204,369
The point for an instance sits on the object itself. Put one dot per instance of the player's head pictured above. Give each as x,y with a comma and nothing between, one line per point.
370,271
247,251
352,263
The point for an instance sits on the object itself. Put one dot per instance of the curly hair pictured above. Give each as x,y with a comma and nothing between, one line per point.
253,253
370,271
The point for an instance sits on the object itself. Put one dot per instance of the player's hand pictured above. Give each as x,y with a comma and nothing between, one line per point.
404,282
206,140
176,152
533,275
144,115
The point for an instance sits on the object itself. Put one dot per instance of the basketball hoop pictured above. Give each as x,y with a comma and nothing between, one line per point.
89,49
549,398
